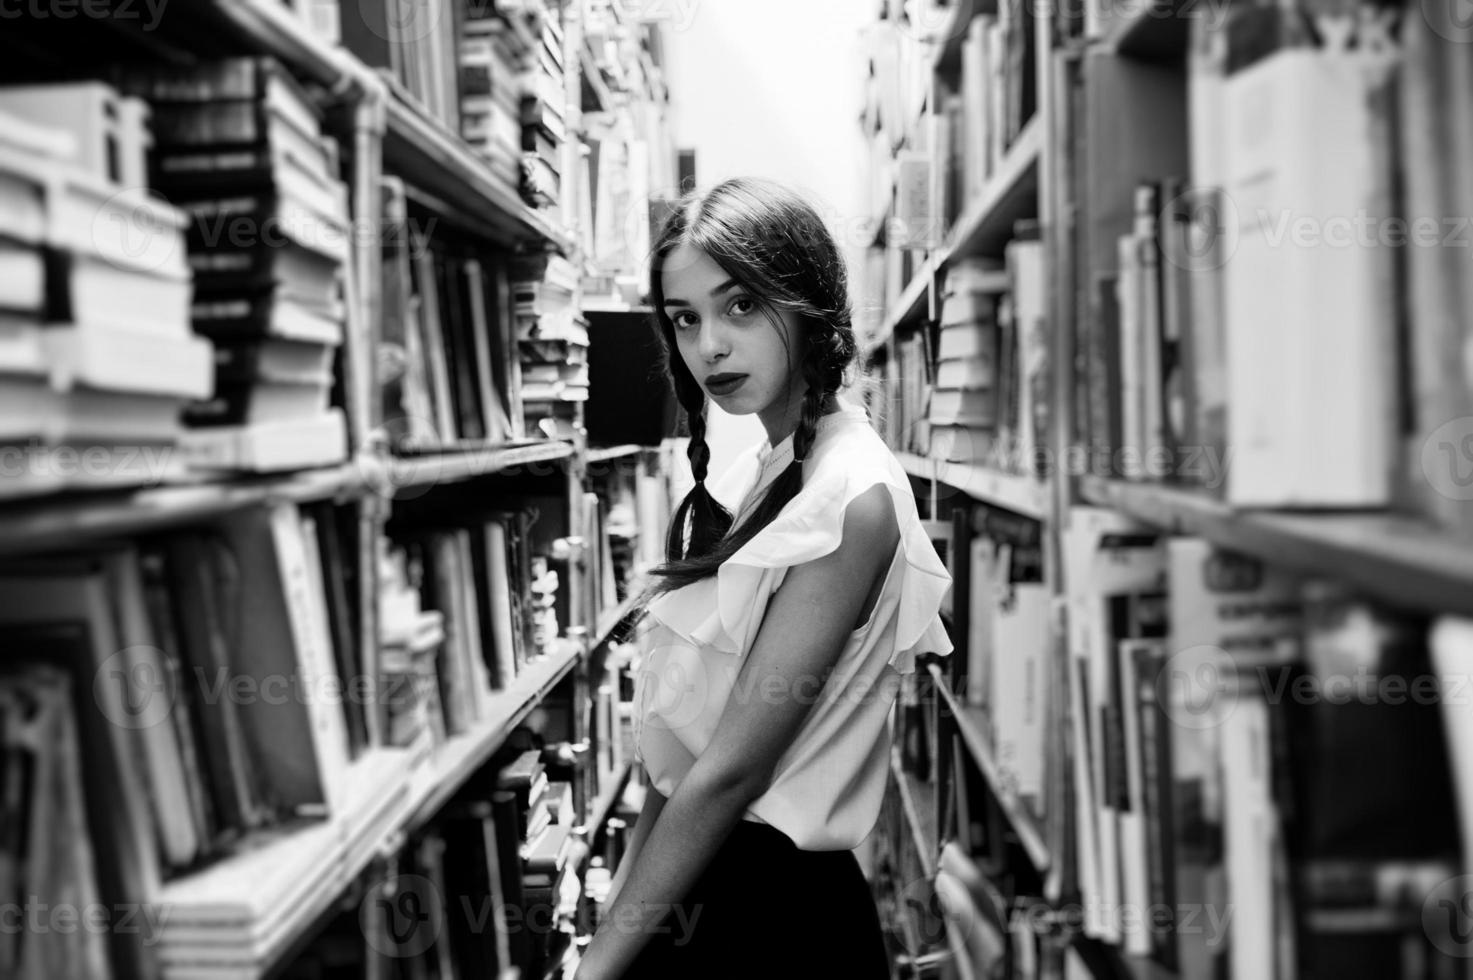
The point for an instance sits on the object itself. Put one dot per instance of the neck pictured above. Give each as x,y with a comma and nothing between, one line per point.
781,422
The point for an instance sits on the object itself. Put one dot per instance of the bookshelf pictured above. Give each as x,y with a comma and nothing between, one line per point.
458,758
971,723
437,581
1086,147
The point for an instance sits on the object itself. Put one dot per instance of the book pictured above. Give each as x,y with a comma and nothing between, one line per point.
281,642
1310,105
298,443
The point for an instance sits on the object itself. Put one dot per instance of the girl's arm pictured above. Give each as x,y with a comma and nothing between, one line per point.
653,804
806,625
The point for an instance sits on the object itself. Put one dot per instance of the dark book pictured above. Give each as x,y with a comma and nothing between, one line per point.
478,932
460,347
203,579
334,549
509,862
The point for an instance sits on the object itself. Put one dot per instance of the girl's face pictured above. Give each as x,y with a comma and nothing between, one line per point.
746,362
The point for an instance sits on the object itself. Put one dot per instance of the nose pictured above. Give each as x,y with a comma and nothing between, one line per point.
712,343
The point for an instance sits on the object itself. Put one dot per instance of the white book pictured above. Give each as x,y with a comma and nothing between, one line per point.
269,447
962,444
1310,315
1135,856
1451,643
1128,304
22,278
109,132
125,228
970,373
23,184
960,407
968,308
968,340
975,81
21,349
103,294
1027,272
129,361
155,738
1020,644
1250,839
31,409
36,140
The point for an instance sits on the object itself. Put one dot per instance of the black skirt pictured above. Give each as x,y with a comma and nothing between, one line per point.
766,910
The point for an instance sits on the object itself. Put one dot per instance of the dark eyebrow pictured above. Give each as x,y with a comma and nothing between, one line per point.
729,284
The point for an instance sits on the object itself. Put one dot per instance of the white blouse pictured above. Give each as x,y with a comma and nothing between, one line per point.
827,786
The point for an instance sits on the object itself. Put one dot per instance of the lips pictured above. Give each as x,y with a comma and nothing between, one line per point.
724,384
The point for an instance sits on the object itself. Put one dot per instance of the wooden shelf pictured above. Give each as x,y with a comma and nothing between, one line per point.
613,453
971,721
922,822
1021,494
911,303
611,618
455,760
982,229
1011,193
68,519
1398,559
607,798
1159,31
409,472
424,152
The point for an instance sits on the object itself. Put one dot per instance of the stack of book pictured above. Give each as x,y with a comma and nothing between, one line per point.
98,359
544,114
491,60
239,146
410,638
553,340
542,845
964,403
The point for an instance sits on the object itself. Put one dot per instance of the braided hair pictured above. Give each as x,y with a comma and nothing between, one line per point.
775,245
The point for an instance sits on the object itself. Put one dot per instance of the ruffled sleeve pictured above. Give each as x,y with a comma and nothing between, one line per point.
723,612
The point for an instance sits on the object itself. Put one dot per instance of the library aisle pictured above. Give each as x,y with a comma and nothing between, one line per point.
334,466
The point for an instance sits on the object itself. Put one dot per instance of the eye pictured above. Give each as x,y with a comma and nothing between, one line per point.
684,320
742,306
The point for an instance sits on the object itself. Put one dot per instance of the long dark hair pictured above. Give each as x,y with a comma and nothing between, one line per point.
776,247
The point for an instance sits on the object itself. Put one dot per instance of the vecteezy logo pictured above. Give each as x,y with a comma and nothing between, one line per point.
1447,459
1207,229
133,230
134,689
926,20
403,916
673,687
1197,687
1447,916
928,912
405,23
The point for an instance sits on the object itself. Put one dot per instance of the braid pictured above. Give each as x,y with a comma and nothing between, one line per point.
698,452
813,400
708,520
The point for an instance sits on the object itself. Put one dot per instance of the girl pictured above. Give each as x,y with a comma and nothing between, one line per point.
777,635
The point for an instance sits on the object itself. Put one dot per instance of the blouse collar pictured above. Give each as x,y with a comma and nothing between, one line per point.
778,457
